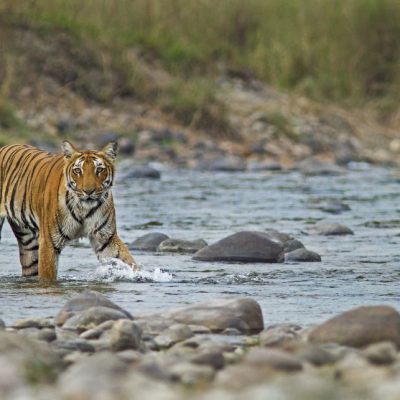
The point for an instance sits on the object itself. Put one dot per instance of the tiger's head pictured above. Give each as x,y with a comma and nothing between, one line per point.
89,174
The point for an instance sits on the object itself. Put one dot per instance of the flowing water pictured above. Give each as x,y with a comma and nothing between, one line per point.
355,270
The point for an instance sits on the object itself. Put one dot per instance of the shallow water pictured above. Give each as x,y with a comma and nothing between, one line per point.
356,270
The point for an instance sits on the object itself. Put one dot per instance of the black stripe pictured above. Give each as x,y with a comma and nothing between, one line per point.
30,265
106,243
36,247
70,208
62,234
103,224
94,209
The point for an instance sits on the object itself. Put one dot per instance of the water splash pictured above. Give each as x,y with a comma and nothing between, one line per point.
114,270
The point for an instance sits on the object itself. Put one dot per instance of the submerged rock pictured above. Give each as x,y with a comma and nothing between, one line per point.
360,327
138,172
246,246
302,255
83,301
224,164
313,166
217,315
181,246
326,228
148,242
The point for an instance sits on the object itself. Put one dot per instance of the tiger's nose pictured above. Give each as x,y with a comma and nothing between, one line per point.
89,191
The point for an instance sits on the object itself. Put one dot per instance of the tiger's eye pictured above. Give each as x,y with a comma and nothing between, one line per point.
76,171
99,170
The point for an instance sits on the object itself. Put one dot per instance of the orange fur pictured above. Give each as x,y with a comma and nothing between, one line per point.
52,199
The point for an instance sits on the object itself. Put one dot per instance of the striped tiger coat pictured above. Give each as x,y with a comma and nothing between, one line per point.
50,200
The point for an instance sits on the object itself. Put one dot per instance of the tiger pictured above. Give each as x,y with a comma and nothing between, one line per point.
51,199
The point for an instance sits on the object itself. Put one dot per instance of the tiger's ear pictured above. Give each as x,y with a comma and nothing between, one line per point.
68,149
111,150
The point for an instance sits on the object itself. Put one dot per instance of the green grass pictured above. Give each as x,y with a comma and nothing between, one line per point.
340,50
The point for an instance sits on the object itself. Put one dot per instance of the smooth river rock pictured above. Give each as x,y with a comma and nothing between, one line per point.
246,246
326,228
125,335
241,313
302,255
148,242
360,327
181,246
92,317
138,172
83,301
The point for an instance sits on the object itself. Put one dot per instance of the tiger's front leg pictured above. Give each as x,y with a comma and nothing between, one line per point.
48,258
109,245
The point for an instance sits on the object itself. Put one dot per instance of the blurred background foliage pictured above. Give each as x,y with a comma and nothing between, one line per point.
346,51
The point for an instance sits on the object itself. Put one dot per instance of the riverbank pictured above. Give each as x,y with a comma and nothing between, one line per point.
217,349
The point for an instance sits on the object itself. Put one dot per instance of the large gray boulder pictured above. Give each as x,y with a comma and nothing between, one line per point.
242,314
246,246
360,327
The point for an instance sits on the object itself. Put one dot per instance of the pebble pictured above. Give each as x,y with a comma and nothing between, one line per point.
302,255
181,246
92,317
148,242
174,334
125,335
326,228
381,353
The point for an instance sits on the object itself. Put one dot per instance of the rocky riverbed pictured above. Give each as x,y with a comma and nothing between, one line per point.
94,349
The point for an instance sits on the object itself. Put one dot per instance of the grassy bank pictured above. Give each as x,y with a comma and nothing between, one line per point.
340,50
335,48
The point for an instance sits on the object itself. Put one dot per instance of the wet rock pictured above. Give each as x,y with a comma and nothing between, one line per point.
277,336
32,323
125,335
2,325
273,358
224,164
181,246
246,246
199,329
333,207
91,317
381,353
326,228
277,236
174,334
138,172
255,166
83,301
360,327
302,255
313,166
217,315
69,346
100,344
148,242
291,245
